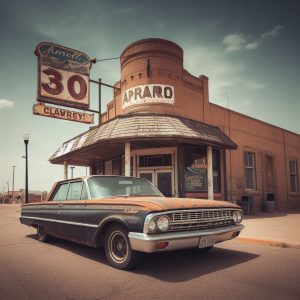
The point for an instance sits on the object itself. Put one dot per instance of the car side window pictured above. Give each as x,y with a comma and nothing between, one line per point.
61,192
74,190
84,193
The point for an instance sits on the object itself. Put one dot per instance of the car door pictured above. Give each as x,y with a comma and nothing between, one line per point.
70,223
50,209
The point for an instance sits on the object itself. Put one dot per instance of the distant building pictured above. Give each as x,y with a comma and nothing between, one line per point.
11,197
188,147
19,196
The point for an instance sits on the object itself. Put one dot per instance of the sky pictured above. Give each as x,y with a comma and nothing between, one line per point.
248,49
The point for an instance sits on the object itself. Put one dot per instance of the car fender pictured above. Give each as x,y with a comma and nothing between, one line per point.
105,223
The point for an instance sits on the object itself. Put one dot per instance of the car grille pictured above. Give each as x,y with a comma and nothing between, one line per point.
195,219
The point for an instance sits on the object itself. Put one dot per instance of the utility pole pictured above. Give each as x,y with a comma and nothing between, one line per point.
13,184
99,95
7,190
3,194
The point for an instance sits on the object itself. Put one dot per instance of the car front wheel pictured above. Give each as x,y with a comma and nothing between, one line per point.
118,250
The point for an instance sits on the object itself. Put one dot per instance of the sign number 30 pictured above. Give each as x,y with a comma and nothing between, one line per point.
75,84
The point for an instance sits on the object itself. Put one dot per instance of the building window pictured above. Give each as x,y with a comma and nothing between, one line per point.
98,168
294,176
155,160
249,164
196,170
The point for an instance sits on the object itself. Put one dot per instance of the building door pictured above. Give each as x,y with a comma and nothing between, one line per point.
164,182
162,179
270,178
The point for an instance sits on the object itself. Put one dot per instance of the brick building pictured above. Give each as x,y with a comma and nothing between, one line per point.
12,197
160,125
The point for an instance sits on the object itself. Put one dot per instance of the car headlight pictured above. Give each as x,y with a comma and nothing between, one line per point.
237,216
163,223
152,225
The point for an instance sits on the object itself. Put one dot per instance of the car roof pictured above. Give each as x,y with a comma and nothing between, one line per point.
86,177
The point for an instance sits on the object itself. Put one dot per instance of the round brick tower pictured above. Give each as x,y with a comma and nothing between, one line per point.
151,75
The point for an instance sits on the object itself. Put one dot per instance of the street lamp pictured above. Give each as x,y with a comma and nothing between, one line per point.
26,141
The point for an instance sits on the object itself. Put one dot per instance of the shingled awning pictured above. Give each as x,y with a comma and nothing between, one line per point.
143,130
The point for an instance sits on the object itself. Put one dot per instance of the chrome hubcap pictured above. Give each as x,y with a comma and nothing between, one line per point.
118,246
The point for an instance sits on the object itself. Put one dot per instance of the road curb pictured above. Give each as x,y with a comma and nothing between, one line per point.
267,242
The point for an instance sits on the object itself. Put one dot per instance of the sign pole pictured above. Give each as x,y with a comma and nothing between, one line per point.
99,81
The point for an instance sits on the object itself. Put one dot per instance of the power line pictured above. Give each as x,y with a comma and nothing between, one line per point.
103,59
95,60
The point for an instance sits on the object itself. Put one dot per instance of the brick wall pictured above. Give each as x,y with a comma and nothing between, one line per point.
264,140
191,101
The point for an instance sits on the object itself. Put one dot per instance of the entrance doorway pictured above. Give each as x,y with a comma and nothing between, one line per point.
270,196
162,179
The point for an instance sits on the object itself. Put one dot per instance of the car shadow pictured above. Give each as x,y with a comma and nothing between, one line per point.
175,266
185,265
96,254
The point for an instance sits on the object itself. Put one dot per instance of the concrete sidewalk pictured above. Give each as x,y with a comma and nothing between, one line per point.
276,229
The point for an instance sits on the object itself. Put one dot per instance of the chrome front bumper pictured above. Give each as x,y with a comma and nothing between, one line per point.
180,240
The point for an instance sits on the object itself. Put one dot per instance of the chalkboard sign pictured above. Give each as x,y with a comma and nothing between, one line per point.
195,181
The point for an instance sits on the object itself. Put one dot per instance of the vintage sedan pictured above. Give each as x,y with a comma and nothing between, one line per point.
129,216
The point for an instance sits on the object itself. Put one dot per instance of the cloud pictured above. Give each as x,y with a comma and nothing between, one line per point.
212,62
253,85
6,103
225,75
251,46
271,34
234,42
237,42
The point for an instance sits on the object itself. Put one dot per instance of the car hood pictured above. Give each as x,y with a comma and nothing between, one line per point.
161,203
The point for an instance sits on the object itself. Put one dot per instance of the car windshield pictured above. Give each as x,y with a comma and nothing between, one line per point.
110,186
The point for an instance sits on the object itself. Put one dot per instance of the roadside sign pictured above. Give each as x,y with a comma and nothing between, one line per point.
63,76
59,113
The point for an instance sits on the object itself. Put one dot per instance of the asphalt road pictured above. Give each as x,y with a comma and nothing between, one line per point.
64,270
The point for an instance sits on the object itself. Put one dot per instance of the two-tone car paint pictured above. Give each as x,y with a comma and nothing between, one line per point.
87,220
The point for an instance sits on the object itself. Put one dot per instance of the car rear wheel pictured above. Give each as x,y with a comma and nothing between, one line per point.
118,250
41,235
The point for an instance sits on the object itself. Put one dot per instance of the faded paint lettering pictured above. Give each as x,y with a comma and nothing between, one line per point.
59,113
150,93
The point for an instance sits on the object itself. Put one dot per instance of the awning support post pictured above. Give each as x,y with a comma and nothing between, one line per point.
127,159
210,178
65,170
